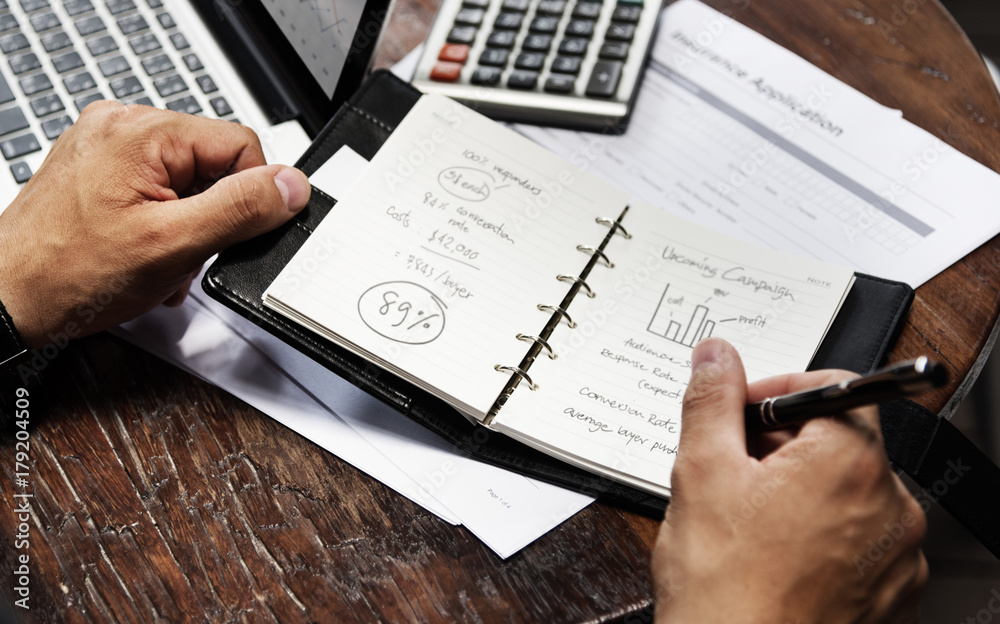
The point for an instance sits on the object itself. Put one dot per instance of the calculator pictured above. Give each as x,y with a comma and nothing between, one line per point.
569,63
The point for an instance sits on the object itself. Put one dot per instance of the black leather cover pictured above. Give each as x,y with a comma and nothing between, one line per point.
859,339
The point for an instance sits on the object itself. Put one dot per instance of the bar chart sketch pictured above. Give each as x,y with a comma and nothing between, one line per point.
664,324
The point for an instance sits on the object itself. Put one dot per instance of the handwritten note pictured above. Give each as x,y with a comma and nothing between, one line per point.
442,251
612,400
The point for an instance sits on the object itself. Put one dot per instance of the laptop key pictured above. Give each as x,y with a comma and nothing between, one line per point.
180,41
46,105
155,4
12,120
169,85
44,21
112,66
101,45
193,62
19,146
144,43
77,7
207,84
14,43
157,64
143,101
79,82
6,95
82,101
24,63
35,83
34,5
53,128
55,41
186,104
8,22
131,24
66,62
125,86
90,25
116,7
221,106
166,20
21,172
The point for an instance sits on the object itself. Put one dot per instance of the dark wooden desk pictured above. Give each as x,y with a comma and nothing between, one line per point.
159,497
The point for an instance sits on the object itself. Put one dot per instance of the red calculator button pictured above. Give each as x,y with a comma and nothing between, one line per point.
454,52
446,72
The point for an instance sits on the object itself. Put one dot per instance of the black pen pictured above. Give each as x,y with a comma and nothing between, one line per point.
892,382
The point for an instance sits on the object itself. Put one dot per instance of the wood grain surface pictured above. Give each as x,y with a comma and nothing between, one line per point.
158,497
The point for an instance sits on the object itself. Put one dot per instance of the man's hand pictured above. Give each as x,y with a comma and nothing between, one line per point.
118,219
816,528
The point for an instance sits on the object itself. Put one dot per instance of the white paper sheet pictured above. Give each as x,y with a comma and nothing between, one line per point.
738,134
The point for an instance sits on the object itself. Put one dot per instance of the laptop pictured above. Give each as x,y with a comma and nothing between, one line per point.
281,67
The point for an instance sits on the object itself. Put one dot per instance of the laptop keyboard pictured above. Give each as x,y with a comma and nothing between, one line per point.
61,55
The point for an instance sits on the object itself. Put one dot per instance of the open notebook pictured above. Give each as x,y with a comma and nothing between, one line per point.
537,299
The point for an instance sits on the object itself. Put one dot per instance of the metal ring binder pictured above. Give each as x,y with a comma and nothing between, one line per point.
540,341
614,225
517,371
574,278
557,310
596,252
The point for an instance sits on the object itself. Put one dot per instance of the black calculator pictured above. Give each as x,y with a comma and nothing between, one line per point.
569,63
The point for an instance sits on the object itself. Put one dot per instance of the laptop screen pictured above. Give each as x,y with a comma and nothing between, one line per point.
301,58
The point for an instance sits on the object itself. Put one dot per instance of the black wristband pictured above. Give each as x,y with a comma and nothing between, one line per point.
12,348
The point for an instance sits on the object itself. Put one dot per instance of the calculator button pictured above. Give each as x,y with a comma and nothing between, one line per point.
12,120
507,21
446,71
574,46
21,172
46,105
587,10
470,17
566,65
476,4
19,146
221,106
82,101
454,52
616,50
580,28
537,43
634,2
462,34
35,83
13,43
604,78
486,76
79,82
626,13
25,63
522,79
501,39
544,24
620,32
559,84
53,128
493,57
551,7
519,6
529,60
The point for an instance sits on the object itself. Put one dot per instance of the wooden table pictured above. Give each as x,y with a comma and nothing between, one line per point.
159,497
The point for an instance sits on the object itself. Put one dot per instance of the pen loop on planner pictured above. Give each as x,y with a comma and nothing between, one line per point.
577,280
614,225
518,372
540,341
557,310
596,252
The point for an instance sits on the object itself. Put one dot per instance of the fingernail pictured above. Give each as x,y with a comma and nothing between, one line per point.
707,352
294,188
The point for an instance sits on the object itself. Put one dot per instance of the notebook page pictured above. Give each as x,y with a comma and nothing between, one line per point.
438,256
612,399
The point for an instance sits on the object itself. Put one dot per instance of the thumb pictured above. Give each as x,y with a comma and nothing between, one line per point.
237,208
712,422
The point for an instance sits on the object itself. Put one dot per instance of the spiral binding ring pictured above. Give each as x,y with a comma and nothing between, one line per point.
539,340
517,371
576,279
560,311
596,252
614,225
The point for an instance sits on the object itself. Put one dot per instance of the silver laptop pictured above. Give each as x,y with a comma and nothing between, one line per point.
281,67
